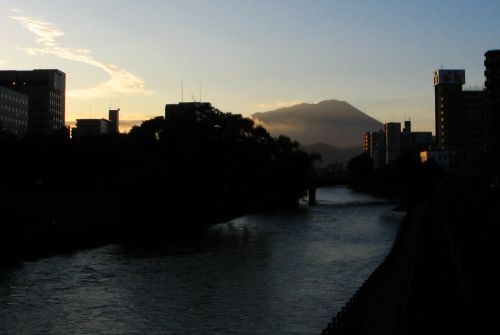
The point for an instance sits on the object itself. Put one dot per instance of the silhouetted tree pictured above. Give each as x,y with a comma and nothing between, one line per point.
185,170
360,169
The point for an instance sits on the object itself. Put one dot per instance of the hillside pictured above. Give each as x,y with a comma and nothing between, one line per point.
331,122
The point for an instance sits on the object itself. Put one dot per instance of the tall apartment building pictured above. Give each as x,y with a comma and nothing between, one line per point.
449,108
460,120
13,111
392,132
377,149
367,139
374,145
46,91
492,118
473,150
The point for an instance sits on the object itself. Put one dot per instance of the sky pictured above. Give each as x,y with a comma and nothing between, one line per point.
248,56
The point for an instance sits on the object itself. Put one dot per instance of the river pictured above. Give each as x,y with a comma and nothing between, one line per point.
273,273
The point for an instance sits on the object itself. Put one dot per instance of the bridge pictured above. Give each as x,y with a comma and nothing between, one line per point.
324,180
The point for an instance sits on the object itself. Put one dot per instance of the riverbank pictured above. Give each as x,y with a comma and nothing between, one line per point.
38,225
42,224
431,280
374,307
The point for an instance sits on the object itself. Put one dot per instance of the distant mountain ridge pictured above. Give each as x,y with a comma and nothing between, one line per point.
332,122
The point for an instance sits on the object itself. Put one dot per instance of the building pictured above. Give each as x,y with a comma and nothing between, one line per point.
374,145
385,146
13,111
447,159
90,127
449,108
376,148
46,91
392,131
460,120
472,155
194,110
114,121
367,142
492,117
93,127
415,141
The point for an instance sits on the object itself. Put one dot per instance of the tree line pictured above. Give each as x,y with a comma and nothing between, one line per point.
199,166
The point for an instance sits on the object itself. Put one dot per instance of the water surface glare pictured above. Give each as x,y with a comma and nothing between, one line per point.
274,273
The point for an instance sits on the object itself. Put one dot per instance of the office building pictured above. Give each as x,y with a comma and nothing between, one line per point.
13,112
46,90
93,127
392,131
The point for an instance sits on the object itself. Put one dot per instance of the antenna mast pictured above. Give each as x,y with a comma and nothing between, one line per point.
182,89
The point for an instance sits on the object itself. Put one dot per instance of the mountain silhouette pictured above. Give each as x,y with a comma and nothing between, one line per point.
330,154
332,122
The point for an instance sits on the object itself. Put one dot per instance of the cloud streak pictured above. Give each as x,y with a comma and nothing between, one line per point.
120,82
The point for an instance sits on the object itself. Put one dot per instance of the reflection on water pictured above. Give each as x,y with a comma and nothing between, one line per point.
275,273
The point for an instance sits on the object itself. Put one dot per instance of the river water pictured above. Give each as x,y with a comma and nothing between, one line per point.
273,273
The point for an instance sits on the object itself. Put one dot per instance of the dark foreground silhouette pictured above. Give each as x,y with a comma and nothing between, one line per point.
442,273
170,176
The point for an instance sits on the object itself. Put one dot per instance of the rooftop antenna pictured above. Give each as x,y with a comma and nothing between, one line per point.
182,89
200,92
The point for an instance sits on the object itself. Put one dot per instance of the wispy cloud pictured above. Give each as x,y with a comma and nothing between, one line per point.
120,82
276,105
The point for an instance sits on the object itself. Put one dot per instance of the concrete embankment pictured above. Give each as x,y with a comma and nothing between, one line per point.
377,305
415,290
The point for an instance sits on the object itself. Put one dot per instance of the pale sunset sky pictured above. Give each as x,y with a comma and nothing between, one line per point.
250,56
